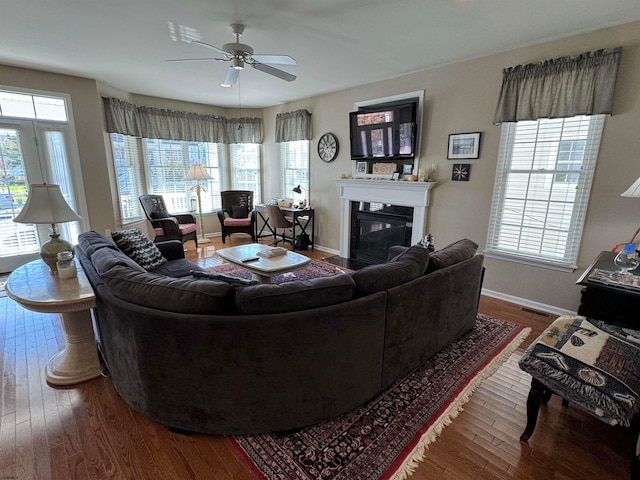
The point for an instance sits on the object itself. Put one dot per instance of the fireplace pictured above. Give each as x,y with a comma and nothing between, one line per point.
375,227
408,200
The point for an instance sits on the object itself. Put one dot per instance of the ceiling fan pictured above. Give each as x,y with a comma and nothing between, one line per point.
241,55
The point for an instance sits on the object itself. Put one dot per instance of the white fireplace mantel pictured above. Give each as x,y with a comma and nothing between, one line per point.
406,194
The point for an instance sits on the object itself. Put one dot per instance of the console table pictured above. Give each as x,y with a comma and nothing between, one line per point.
608,301
35,288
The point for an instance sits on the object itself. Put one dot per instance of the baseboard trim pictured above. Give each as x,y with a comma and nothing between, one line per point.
527,303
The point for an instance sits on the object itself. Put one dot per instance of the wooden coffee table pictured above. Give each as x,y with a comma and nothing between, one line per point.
264,268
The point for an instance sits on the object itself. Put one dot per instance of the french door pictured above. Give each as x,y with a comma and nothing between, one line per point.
30,152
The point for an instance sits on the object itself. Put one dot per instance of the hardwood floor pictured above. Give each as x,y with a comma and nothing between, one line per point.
87,432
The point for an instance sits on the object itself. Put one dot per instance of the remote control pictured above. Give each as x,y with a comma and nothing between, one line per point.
250,259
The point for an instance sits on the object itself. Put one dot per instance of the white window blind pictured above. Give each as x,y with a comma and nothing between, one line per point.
127,162
245,168
294,160
167,163
543,180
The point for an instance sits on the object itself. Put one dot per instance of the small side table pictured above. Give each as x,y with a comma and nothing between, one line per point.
608,301
33,287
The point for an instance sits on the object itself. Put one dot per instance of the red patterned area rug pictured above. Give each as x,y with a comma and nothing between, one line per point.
315,268
388,437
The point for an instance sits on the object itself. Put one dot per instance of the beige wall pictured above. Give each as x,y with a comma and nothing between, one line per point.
462,98
457,98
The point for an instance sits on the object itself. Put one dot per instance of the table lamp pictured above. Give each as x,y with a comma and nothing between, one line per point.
197,173
633,191
45,204
299,190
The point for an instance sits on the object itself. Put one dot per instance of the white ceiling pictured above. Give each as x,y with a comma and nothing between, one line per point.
337,43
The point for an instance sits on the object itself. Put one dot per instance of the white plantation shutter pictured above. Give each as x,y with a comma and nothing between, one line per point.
541,193
245,168
126,158
167,163
294,160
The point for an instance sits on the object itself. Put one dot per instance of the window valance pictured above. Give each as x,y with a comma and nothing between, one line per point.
558,88
148,122
292,126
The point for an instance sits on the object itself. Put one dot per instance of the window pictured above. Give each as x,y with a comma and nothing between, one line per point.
245,168
24,105
542,187
294,160
127,164
167,163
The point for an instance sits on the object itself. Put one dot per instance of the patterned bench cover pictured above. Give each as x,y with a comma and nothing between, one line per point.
590,363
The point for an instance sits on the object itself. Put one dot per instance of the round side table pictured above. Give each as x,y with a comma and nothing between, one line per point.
35,288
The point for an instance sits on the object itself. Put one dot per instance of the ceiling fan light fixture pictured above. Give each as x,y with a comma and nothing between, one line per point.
237,63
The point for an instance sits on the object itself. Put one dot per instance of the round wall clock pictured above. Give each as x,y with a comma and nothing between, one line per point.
328,147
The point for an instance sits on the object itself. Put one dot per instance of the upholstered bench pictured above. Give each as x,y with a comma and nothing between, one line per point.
589,363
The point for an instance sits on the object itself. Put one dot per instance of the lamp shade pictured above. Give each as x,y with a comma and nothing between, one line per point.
633,190
197,172
298,189
45,204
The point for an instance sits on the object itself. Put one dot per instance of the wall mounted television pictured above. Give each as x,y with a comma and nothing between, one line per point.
383,132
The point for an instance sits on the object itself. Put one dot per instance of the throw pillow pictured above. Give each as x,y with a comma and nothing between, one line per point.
139,248
239,211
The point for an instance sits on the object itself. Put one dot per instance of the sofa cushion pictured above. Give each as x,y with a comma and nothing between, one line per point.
180,267
138,247
239,211
91,241
453,253
295,295
183,295
405,267
107,258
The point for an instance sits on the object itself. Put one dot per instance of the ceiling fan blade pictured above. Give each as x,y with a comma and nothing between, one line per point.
195,59
274,71
277,59
232,76
212,47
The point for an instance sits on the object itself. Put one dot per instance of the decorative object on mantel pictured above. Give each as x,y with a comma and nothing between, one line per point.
633,191
390,435
384,168
464,146
361,167
461,172
46,204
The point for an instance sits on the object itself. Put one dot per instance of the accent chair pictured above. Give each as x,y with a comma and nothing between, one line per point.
165,225
237,214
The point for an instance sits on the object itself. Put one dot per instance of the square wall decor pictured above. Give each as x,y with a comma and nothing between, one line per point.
461,172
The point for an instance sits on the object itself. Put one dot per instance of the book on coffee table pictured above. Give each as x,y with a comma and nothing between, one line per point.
272,252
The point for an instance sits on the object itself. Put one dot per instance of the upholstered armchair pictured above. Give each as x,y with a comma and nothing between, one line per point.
237,215
165,225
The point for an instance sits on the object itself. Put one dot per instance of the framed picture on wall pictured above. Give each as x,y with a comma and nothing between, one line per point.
464,145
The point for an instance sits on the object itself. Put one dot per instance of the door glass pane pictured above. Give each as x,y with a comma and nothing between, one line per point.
15,238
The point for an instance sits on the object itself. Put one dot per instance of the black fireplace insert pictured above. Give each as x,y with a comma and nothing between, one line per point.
375,227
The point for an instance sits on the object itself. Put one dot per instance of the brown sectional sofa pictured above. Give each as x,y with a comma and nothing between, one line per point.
204,356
